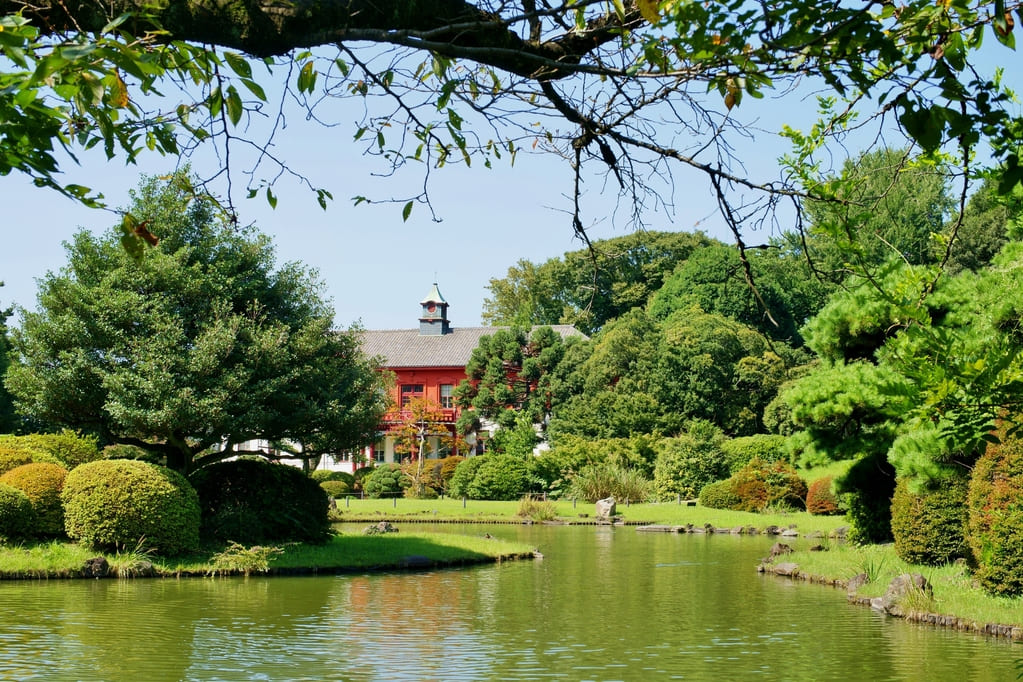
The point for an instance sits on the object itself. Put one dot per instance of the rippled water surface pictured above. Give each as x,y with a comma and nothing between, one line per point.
604,604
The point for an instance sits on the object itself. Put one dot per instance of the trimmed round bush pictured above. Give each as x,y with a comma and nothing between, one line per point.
121,451
336,488
13,457
16,451
760,485
16,514
929,525
70,448
254,502
321,475
386,480
995,530
42,483
124,504
719,495
821,499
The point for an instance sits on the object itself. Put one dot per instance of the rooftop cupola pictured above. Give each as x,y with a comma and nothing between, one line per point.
433,321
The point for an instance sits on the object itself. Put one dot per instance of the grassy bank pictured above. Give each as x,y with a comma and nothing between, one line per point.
344,553
474,511
954,591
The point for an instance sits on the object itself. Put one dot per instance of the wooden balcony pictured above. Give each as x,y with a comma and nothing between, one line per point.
442,416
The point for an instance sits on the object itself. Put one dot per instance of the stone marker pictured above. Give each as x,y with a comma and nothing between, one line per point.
606,508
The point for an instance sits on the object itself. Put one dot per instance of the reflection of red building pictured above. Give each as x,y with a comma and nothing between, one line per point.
428,362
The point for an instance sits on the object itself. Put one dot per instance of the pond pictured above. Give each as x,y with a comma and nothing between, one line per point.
604,604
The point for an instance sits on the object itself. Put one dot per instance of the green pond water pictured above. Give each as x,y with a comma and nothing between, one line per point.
604,604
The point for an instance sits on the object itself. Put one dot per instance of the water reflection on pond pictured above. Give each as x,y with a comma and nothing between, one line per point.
605,603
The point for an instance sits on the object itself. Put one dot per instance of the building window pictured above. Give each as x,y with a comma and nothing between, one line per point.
379,453
447,396
410,391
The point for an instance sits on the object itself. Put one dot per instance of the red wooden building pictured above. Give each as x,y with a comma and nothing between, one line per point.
427,362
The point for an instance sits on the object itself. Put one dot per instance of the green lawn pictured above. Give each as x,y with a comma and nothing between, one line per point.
668,513
954,591
347,552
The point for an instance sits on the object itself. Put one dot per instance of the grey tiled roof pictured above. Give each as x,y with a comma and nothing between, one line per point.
408,348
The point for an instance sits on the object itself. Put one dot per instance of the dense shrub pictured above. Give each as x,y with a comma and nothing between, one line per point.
687,463
995,530
42,483
321,475
442,470
68,447
719,495
537,510
929,526
359,475
821,498
13,457
464,475
500,477
121,451
118,504
739,452
386,480
867,490
556,467
761,485
336,488
16,515
16,451
255,502
599,481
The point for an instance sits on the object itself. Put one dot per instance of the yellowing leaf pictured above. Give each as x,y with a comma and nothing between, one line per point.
650,9
118,92
733,94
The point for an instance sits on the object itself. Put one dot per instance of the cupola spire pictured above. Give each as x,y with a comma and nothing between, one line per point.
433,320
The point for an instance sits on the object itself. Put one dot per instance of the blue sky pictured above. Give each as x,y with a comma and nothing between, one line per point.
376,268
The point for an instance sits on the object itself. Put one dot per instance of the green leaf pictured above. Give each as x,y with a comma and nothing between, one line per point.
322,196
307,78
238,64
270,198
76,52
234,105
116,22
406,212
215,102
255,88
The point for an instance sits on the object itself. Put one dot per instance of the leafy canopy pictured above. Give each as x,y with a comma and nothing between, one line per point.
627,92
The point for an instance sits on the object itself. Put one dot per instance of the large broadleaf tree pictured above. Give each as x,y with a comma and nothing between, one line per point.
194,349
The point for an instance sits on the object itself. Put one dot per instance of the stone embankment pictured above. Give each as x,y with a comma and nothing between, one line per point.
896,600
788,532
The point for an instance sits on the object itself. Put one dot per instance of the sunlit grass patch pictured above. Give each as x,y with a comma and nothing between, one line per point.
954,590
667,513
